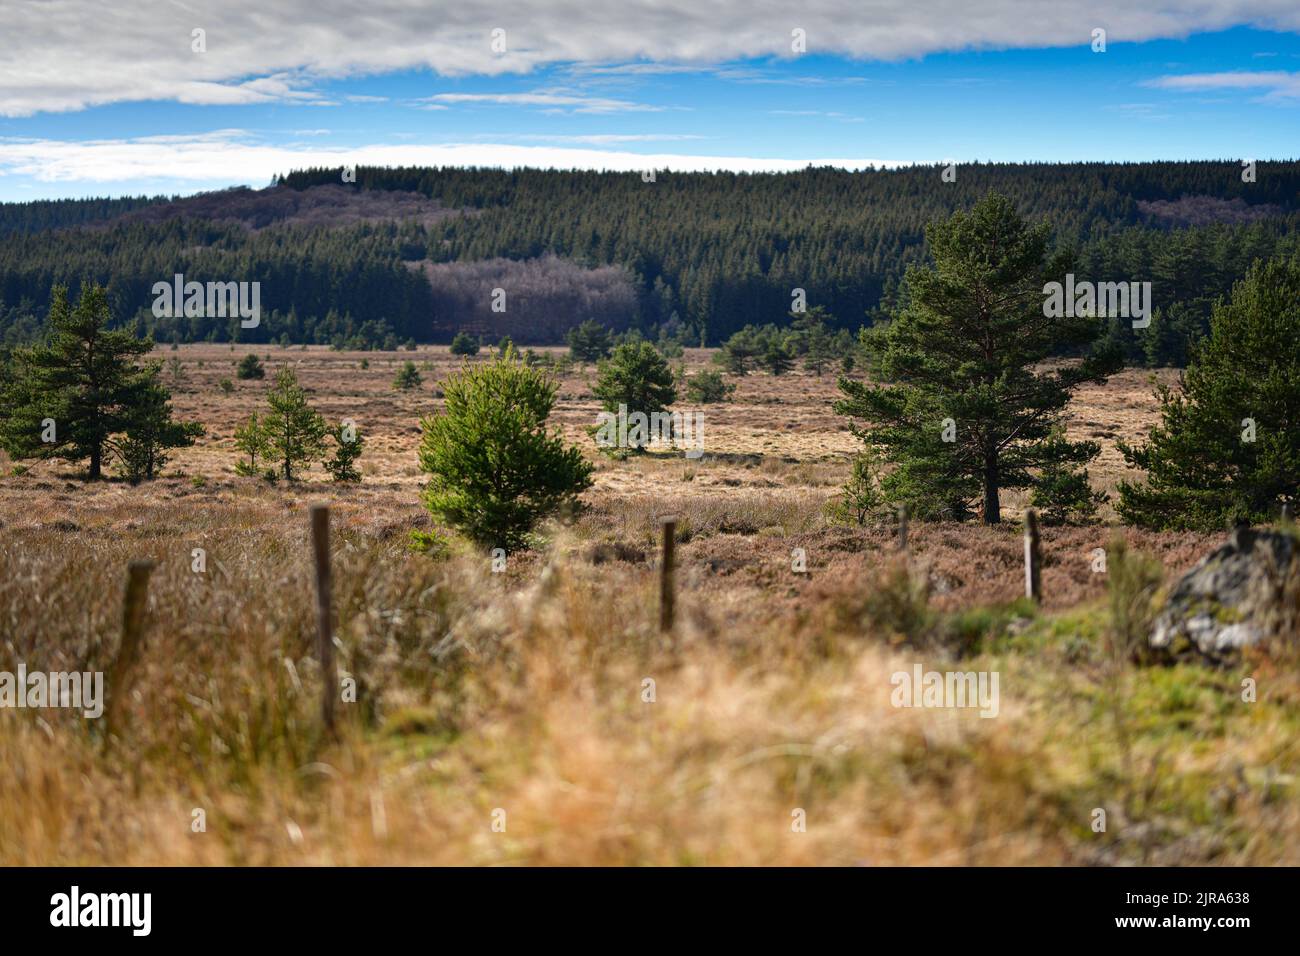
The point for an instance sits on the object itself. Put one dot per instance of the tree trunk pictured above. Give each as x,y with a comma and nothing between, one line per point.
96,454
992,508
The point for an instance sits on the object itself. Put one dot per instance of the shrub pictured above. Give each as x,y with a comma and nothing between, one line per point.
348,443
776,358
250,366
430,543
1133,579
707,387
495,470
464,344
1063,495
227,386
862,495
407,378
150,432
589,342
250,440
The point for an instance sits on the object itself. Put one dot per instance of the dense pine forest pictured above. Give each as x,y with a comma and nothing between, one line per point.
695,256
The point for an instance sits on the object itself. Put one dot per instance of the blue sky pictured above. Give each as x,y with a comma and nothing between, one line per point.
1212,94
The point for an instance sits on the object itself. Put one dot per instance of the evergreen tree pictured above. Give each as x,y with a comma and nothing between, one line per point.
738,353
819,349
150,431
250,438
637,376
293,430
495,469
1062,493
776,357
407,378
464,344
968,414
250,366
589,342
348,443
68,396
708,386
1228,443
861,494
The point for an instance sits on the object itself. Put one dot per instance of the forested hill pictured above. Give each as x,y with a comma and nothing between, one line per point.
694,254
20,218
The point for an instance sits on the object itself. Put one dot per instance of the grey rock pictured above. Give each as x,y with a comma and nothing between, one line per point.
1222,604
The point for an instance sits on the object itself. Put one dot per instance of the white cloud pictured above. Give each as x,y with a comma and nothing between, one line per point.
78,53
601,139
230,157
551,101
1277,84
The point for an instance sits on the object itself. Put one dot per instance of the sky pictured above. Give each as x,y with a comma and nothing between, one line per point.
172,97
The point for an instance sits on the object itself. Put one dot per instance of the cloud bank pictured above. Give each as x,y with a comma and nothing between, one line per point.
79,53
229,156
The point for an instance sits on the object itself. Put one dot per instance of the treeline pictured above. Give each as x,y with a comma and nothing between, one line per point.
23,218
339,286
707,253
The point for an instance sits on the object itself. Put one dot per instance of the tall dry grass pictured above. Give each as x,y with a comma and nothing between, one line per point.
525,692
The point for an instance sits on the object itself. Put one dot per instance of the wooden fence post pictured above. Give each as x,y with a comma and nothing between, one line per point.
1033,558
122,672
320,535
902,528
666,595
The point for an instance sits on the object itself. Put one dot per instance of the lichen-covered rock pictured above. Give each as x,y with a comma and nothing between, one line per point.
1223,604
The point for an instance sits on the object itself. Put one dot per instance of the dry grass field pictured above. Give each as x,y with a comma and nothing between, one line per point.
521,697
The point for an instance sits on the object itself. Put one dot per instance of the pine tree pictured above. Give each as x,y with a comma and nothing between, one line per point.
861,494
250,366
495,469
819,349
293,430
464,344
407,378
776,357
251,440
348,443
967,414
1228,443
150,431
738,352
589,342
708,386
69,396
637,376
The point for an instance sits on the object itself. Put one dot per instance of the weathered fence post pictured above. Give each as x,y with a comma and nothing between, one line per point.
320,536
666,595
1033,558
902,528
128,652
